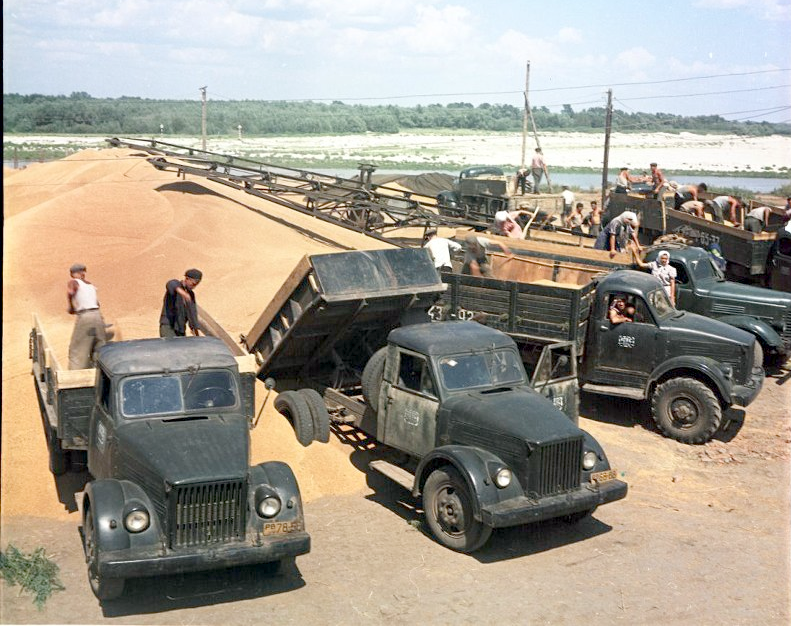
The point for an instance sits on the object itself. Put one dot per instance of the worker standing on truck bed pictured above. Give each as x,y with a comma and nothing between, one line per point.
538,169
90,331
617,234
440,250
475,261
179,307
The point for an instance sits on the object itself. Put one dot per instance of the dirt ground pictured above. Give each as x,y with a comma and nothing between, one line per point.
702,537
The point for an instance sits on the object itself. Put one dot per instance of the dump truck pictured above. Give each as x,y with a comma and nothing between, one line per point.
689,367
702,288
164,426
349,340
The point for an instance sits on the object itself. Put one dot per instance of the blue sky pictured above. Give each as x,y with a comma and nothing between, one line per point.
411,52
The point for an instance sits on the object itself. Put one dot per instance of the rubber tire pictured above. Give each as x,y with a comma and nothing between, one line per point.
59,461
103,588
697,395
373,374
318,414
293,405
445,487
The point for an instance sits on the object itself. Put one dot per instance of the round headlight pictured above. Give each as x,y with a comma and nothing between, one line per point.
269,506
503,478
589,460
137,521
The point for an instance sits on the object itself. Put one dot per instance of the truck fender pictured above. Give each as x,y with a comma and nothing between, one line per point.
476,466
602,464
110,500
278,477
759,328
706,367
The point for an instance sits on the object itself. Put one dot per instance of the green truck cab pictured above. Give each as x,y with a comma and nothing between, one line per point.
165,424
702,288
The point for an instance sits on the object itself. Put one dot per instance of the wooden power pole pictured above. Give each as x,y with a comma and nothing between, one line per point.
607,129
203,118
529,113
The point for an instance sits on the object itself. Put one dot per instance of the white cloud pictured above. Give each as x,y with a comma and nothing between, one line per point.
775,10
570,35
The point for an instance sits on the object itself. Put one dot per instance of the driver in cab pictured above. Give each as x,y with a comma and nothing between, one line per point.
618,313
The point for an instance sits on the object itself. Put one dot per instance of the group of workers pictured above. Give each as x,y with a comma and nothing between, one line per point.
179,311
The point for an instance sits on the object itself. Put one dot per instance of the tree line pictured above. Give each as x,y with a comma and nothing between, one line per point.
80,113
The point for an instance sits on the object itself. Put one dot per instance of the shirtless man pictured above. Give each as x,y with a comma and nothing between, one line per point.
593,219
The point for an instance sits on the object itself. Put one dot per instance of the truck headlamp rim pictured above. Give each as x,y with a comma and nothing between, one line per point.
137,520
589,460
269,506
503,477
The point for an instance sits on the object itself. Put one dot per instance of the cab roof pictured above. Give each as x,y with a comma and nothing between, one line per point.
437,339
146,356
630,281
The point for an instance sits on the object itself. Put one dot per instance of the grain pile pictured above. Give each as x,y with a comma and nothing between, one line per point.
135,227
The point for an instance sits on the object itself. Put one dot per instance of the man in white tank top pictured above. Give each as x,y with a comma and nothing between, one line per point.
90,332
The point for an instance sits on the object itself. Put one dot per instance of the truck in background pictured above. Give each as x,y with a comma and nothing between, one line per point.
164,424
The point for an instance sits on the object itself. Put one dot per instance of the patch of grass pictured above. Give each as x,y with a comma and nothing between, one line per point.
34,572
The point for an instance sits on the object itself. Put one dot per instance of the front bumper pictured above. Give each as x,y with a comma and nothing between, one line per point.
523,510
742,395
133,563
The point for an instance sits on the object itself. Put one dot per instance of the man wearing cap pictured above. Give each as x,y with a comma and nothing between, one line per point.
179,307
617,233
90,331
440,249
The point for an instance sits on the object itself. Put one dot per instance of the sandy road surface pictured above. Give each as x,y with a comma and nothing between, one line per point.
702,538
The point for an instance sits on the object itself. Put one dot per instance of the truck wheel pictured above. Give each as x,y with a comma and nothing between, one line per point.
318,414
293,405
371,381
686,410
448,509
103,588
58,457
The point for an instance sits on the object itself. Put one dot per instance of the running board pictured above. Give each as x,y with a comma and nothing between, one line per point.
610,390
394,473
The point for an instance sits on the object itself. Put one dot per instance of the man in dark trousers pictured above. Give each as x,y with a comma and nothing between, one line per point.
179,308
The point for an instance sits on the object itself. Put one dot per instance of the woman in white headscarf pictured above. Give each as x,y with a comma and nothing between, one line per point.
665,272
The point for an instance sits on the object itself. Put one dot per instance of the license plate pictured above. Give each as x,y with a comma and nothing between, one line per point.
603,477
278,528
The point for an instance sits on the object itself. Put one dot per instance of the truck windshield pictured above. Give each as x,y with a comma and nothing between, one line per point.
661,303
704,269
488,369
142,396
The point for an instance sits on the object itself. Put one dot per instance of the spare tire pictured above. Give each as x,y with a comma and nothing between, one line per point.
294,406
371,381
318,414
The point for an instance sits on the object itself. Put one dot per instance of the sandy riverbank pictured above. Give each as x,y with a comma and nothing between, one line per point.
680,152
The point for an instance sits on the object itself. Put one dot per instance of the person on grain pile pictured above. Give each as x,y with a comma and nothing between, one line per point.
475,261
617,234
90,332
440,249
179,307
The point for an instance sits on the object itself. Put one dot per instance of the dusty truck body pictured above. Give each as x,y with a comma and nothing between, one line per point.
747,253
689,367
165,427
702,288
479,445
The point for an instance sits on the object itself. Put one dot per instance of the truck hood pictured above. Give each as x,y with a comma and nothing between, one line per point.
737,299
686,325
197,449
513,413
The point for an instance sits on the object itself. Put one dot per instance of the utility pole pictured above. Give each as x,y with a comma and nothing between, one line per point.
203,118
607,129
529,113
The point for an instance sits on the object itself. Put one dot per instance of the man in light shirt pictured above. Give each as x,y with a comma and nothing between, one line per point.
90,331
440,250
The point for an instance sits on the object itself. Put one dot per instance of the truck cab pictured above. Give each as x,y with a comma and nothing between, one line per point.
489,451
702,288
687,365
168,449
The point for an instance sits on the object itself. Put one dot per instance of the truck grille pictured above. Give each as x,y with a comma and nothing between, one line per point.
207,513
555,468
786,334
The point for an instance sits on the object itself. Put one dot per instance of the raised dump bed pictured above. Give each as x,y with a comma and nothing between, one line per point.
335,310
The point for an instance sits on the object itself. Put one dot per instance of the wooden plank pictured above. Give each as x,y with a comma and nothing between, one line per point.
74,379
301,270
247,364
214,329
394,473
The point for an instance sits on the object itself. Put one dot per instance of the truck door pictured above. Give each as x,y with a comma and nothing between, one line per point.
411,405
555,377
685,288
627,352
101,436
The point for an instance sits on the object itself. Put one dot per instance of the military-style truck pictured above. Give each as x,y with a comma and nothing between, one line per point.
689,367
165,427
348,339
702,288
